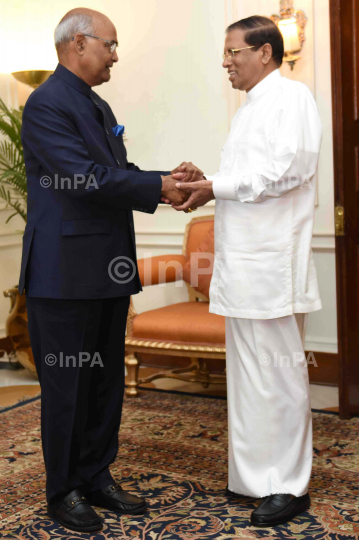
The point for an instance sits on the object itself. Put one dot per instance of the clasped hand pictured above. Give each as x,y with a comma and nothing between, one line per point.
186,188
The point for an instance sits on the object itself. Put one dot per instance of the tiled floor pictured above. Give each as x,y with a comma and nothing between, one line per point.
16,385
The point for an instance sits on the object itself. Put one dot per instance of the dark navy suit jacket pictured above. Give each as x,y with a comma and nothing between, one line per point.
77,227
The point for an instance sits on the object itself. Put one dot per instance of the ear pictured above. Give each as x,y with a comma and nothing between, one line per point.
267,53
79,43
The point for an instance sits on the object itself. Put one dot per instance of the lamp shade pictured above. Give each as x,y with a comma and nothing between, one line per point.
289,30
32,77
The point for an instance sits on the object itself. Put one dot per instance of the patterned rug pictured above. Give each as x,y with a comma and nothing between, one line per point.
173,451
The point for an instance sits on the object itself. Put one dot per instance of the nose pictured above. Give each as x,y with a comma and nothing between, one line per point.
226,62
114,56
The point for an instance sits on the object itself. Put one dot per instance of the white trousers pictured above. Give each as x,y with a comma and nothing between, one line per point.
270,444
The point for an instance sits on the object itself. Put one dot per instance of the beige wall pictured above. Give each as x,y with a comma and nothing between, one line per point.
172,95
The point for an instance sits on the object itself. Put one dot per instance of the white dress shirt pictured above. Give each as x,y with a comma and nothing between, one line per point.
265,195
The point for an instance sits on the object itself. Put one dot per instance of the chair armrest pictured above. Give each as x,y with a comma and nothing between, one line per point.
161,269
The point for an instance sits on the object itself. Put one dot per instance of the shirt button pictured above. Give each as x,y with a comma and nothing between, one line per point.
106,131
118,163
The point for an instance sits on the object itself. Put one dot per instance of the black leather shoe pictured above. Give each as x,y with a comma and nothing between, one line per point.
75,513
280,508
113,497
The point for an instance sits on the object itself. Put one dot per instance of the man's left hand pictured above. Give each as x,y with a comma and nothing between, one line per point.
199,193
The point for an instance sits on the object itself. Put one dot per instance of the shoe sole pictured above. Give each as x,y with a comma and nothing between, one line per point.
137,512
90,528
281,521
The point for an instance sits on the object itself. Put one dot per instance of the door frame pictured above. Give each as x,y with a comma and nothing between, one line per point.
340,260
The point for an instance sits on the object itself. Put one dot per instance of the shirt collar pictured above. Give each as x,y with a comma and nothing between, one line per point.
72,79
268,82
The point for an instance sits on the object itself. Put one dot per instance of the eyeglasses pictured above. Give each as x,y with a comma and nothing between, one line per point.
113,44
231,53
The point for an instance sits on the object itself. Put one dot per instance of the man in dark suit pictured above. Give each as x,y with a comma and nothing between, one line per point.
79,268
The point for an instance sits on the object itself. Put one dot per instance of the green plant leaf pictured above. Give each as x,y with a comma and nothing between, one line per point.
13,181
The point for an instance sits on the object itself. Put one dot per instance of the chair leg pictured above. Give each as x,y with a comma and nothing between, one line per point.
204,373
132,364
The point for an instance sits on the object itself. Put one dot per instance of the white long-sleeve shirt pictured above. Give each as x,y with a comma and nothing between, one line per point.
265,195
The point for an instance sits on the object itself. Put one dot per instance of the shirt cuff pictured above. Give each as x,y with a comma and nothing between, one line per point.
223,187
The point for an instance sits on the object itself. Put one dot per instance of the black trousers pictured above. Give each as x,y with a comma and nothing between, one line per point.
78,347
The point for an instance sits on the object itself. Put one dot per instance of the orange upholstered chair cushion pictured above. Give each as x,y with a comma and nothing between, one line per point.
188,322
161,269
199,268
196,234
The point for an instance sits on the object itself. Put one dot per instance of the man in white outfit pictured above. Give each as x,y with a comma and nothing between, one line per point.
264,279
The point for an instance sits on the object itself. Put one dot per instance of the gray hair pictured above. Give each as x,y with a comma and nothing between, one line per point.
71,25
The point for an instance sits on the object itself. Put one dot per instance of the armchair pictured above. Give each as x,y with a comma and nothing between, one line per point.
185,329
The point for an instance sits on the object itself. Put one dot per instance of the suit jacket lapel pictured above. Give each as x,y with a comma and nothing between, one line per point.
108,130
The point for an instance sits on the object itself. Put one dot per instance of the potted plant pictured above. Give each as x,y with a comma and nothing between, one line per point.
13,190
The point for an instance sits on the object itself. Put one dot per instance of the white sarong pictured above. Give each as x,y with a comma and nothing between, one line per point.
270,424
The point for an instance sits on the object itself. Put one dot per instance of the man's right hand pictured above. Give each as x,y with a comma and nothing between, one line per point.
169,191
193,173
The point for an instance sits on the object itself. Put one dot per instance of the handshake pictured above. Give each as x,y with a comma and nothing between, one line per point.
186,188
